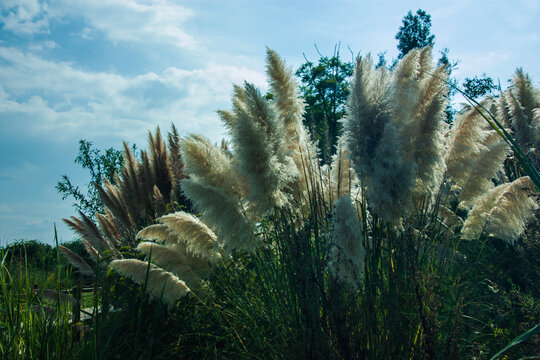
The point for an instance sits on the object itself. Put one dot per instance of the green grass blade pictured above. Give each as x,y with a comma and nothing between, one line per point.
526,335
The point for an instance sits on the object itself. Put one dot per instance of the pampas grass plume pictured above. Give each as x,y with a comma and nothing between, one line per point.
428,141
503,212
156,232
225,213
161,284
76,261
522,99
88,231
342,178
206,162
465,145
284,88
200,240
484,169
347,254
260,150
372,142
180,264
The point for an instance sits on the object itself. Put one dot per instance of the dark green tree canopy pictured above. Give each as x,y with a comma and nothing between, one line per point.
325,88
477,87
415,32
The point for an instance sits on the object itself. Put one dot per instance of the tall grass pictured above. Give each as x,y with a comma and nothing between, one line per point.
35,314
363,259
423,293
423,296
496,125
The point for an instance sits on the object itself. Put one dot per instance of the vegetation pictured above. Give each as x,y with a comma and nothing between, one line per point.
416,240
101,167
414,33
325,88
478,87
325,85
288,258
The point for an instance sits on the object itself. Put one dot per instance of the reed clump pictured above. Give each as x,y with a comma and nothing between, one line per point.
382,254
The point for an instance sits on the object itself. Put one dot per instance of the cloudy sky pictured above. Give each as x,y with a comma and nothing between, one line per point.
111,70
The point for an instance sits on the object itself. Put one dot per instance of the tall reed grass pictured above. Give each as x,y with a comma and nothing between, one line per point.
35,313
393,251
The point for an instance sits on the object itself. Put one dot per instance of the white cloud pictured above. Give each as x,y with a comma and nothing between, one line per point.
40,47
55,98
131,20
140,21
24,16
85,33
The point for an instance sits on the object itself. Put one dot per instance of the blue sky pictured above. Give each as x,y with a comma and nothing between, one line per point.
111,70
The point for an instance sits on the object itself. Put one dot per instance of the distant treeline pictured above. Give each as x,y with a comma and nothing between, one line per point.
37,254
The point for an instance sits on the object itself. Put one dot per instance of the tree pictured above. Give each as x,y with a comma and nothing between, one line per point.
144,186
382,60
101,166
415,32
478,87
325,90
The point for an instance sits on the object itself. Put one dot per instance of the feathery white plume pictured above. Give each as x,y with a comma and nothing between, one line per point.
289,106
418,104
536,124
157,232
289,109
207,163
484,168
503,212
395,130
341,178
405,95
429,137
185,267
216,190
522,98
200,240
347,253
161,284
88,231
372,141
468,135
225,213
261,153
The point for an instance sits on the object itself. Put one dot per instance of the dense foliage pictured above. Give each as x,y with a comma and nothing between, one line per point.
414,240
101,166
325,91
289,258
415,32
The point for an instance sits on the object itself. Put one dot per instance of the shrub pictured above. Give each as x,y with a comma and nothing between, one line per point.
391,251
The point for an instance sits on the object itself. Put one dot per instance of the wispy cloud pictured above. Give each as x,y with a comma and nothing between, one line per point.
24,17
131,20
35,221
57,98
5,208
21,171
137,21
